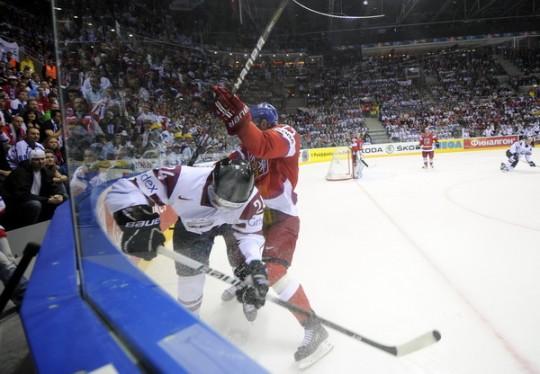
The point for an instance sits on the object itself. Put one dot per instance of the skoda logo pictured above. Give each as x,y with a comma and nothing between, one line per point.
390,148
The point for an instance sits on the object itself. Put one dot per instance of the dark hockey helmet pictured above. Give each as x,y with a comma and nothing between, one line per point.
232,183
264,111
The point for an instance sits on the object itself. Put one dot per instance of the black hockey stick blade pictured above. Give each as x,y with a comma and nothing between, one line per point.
365,163
411,346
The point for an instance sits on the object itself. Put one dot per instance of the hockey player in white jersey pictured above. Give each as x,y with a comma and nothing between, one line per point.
520,148
207,200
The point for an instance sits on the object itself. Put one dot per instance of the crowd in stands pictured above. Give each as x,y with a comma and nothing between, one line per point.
136,95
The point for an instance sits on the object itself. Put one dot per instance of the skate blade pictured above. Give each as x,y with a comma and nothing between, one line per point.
323,349
250,312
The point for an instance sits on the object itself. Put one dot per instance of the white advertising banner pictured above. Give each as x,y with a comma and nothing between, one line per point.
387,149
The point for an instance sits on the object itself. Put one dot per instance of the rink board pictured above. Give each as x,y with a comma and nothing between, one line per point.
114,310
118,298
315,155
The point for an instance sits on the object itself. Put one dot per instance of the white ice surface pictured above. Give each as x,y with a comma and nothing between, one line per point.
399,253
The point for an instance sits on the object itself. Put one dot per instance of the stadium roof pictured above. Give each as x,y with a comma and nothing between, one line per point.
397,20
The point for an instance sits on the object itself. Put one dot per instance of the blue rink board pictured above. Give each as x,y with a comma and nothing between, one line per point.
162,335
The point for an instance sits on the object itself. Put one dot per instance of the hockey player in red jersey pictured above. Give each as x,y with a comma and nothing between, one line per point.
273,150
356,151
428,141
207,200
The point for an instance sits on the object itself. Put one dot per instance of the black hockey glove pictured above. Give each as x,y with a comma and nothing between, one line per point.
254,275
141,233
532,164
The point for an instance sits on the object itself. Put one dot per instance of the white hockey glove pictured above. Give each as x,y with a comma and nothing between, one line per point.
141,232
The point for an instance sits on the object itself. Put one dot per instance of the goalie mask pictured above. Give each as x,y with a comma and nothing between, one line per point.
264,111
232,183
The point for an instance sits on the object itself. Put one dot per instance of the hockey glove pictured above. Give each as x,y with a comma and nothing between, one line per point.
230,109
532,164
141,234
254,275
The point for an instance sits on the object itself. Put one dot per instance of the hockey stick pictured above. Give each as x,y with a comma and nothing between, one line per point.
365,163
259,45
411,346
201,146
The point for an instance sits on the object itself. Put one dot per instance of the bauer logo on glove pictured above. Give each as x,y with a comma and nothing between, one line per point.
141,234
230,109
139,224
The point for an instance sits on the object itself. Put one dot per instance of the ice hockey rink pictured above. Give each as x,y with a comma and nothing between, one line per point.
398,253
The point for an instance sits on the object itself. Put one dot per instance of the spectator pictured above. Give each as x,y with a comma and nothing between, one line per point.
10,60
21,151
367,138
16,131
5,114
5,170
17,105
53,127
11,88
31,119
49,70
57,176
30,194
51,143
8,264
27,64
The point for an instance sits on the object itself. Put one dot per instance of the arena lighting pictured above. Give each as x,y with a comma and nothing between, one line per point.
335,15
365,2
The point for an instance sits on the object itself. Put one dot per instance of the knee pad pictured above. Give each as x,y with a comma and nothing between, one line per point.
190,291
283,284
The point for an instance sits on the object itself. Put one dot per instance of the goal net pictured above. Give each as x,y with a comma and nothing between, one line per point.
341,165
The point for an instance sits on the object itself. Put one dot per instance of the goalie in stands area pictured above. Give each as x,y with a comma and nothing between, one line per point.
522,147
273,151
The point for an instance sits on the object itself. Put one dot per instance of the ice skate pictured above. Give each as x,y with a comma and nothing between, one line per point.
431,165
504,167
250,311
425,166
314,346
